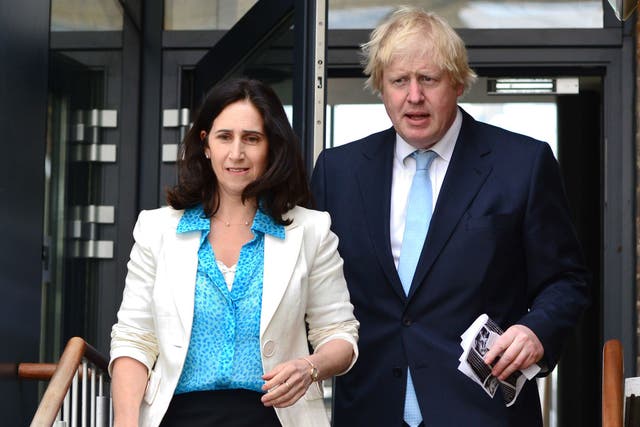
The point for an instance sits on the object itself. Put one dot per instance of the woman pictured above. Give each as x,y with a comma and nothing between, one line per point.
228,286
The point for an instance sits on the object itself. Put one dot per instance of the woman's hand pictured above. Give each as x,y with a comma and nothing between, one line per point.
286,383
289,381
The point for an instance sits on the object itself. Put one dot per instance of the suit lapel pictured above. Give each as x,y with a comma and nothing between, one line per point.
181,263
469,168
374,179
280,259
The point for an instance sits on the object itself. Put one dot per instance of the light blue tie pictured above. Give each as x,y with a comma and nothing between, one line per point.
419,209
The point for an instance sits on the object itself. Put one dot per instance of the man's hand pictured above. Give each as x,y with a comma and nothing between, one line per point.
517,348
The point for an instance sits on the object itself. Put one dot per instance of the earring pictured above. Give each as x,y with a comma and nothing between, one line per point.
206,155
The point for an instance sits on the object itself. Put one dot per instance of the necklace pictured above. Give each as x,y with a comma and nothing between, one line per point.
229,224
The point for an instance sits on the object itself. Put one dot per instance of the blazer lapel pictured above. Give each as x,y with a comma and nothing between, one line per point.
280,259
469,168
181,266
374,179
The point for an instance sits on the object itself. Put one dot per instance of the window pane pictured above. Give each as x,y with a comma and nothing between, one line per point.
516,117
353,112
477,14
86,15
355,121
204,14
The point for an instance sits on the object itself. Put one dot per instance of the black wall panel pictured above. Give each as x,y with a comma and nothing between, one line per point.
23,112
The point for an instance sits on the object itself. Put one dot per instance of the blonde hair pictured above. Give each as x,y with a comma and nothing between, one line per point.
393,37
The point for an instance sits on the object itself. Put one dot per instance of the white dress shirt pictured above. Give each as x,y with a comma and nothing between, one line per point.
404,168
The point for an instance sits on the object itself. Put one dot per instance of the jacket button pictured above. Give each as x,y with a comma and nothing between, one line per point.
406,321
397,372
268,348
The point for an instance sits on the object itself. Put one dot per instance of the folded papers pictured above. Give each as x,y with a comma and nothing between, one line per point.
476,342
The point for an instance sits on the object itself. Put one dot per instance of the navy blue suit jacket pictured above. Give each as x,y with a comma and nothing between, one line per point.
500,242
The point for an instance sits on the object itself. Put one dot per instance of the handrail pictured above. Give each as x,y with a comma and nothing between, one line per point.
36,371
27,371
612,384
75,350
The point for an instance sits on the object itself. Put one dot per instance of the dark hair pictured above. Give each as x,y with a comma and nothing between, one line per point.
284,182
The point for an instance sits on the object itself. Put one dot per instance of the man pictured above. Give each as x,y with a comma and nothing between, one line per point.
498,241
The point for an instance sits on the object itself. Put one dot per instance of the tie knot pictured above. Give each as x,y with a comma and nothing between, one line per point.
423,159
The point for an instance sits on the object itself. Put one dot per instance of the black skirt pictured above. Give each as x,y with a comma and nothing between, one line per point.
224,408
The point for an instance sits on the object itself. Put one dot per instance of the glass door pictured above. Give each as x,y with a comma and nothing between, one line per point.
73,240
90,120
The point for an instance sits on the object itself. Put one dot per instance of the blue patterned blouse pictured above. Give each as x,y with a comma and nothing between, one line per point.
224,349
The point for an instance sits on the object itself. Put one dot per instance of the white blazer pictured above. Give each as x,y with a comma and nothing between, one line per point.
303,280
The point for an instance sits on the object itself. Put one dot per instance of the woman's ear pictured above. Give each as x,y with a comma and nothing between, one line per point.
203,138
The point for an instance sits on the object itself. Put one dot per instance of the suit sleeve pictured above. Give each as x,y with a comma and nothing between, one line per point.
318,184
557,281
134,333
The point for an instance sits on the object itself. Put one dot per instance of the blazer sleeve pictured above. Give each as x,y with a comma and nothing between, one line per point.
329,312
134,333
557,280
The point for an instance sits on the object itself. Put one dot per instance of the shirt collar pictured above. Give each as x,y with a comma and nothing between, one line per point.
194,219
443,148
265,224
